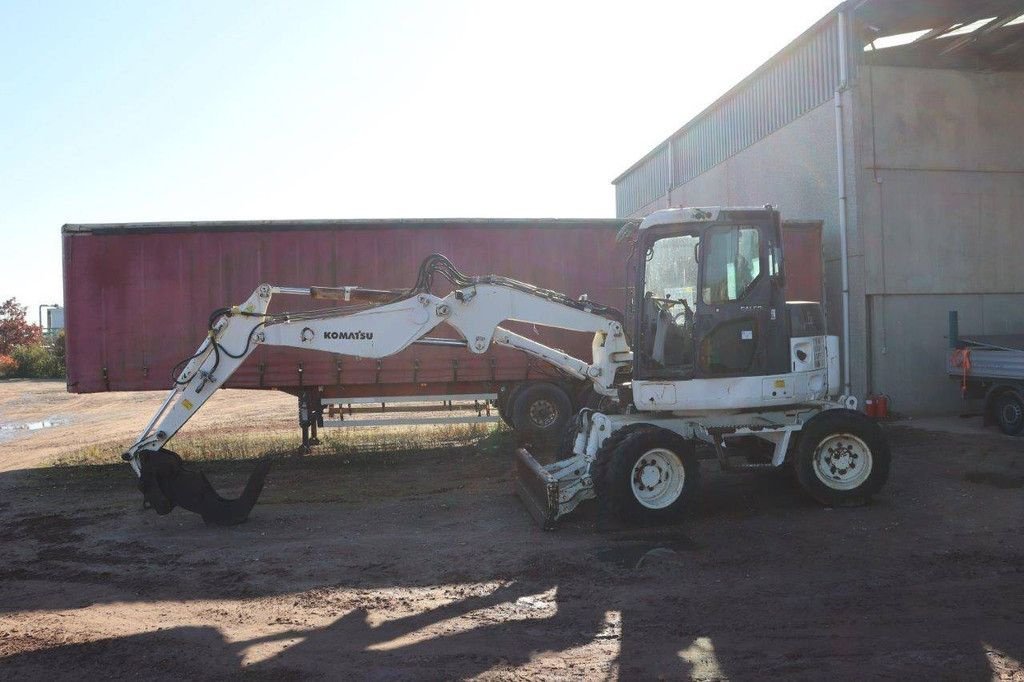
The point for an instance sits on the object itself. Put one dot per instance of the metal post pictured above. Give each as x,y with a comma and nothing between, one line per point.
841,180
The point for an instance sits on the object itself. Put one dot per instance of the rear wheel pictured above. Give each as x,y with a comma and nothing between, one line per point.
843,458
540,412
649,476
1009,413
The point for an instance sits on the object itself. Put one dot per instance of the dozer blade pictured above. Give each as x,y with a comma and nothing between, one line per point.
166,483
537,488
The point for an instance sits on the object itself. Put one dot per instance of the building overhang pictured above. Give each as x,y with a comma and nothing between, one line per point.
986,35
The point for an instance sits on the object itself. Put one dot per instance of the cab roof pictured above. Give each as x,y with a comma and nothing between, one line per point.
696,214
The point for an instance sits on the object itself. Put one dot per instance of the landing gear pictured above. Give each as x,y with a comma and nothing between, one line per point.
311,416
842,459
646,475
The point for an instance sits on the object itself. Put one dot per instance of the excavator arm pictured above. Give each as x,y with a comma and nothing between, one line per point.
369,324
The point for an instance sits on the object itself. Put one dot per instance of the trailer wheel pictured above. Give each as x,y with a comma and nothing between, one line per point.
1009,413
650,476
842,459
540,412
501,404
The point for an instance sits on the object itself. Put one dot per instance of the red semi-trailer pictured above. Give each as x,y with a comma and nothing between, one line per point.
138,297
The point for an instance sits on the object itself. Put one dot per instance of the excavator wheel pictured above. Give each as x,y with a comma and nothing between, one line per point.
166,483
645,475
842,458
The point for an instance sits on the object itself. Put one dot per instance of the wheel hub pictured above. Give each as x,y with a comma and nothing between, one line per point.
658,478
651,475
543,413
1011,412
842,461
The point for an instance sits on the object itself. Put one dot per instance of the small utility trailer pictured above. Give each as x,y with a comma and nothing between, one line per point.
990,369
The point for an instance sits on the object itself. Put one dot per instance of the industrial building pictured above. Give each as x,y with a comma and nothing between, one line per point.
900,125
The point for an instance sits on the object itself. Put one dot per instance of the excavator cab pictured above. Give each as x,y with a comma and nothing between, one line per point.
710,293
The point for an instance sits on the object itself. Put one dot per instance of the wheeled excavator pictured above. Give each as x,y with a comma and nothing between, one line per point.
710,354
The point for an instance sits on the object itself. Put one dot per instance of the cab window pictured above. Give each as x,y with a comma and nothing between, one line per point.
732,262
670,292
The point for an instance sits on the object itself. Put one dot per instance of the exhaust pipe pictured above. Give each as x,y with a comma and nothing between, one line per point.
166,483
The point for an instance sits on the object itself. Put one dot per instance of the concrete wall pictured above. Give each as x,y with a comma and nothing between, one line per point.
794,168
940,195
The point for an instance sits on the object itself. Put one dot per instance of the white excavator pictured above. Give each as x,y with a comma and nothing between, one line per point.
712,353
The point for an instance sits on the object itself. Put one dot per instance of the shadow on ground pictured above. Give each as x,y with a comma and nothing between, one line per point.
425,566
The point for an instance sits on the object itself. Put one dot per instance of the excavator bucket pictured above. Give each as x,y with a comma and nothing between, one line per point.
537,489
166,483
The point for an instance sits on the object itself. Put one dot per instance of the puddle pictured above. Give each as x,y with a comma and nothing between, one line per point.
10,429
635,555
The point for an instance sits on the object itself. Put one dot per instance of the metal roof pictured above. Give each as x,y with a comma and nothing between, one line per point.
329,224
952,34
739,87
997,44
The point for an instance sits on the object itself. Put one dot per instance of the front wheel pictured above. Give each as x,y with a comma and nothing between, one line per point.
650,476
843,458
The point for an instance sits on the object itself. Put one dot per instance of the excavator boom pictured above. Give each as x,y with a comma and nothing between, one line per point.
371,323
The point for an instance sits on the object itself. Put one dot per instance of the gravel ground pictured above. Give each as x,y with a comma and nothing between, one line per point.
424,565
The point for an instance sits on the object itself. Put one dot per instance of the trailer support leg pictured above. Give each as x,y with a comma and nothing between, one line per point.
311,417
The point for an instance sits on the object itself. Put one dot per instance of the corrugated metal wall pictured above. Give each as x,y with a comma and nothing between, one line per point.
645,183
802,77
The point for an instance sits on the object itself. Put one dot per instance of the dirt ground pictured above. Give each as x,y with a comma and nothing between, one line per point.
425,565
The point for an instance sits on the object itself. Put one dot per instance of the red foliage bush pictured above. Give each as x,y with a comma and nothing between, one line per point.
8,366
15,329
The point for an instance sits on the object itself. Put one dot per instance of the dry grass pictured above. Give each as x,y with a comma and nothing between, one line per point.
220,445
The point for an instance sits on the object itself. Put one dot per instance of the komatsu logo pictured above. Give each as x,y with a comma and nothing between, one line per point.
351,336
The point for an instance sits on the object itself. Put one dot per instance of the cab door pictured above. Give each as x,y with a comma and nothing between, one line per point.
735,307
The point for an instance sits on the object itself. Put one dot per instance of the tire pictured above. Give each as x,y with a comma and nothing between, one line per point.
502,406
540,412
629,462
1009,413
842,458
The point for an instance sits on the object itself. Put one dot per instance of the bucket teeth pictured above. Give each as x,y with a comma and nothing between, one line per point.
166,483
537,489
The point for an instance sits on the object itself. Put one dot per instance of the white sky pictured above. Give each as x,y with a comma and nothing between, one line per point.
144,111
